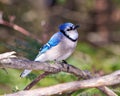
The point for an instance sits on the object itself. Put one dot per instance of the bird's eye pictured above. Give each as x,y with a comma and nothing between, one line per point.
68,29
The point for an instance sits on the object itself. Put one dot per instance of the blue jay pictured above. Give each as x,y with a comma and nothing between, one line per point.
60,46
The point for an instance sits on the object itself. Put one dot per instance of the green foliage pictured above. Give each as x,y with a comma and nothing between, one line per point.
88,92
31,76
28,47
117,2
117,90
61,1
86,48
15,89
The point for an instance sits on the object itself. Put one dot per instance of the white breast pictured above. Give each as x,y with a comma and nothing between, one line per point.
67,49
60,52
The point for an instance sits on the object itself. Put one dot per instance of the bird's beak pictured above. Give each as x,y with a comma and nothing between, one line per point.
76,26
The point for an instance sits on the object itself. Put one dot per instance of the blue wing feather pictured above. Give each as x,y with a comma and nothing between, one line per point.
54,40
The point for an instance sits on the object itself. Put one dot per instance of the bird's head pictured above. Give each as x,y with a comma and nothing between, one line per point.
69,30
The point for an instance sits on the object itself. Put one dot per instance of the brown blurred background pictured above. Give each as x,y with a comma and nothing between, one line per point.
98,48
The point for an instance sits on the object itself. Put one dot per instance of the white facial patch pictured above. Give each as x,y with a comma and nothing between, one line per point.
73,34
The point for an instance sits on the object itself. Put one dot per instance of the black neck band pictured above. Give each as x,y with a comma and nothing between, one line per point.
68,36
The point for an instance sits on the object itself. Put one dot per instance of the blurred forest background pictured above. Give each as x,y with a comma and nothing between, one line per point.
98,49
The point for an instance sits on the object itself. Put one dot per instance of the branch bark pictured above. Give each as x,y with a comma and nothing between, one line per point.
20,63
7,55
107,80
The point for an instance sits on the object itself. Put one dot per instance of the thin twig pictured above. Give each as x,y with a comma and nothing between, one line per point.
36,80
17,28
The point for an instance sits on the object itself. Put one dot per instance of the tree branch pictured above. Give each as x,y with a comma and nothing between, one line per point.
7,55
17,27
107,80
20,63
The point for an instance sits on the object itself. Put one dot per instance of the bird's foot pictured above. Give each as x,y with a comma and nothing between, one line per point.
66,64
63,61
